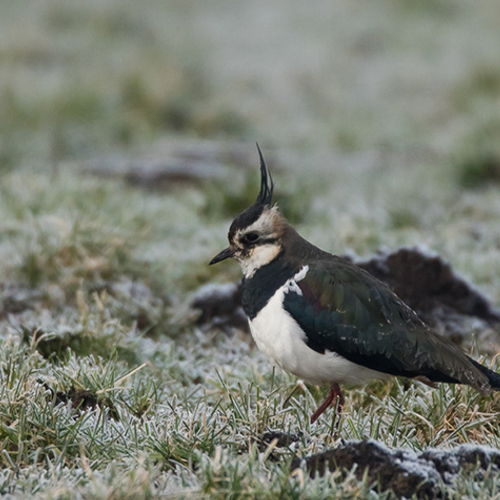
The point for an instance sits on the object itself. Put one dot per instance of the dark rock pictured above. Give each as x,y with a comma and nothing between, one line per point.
282,442
426,282
470,458
155,173
283,439
431,288
81,400
162,176
220,307
176,161
403,472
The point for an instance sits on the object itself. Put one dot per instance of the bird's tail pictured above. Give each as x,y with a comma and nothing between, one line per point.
493,377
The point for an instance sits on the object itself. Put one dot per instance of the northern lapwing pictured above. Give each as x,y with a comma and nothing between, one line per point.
325,320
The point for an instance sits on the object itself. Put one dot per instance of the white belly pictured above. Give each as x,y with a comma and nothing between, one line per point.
282,340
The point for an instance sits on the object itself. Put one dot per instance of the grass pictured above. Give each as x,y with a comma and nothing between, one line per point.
107,387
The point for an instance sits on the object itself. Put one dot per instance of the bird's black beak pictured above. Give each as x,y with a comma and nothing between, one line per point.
225,254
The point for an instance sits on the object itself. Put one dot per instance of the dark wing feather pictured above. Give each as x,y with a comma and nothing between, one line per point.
346,310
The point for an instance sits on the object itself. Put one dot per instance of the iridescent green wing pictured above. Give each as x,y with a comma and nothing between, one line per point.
343,309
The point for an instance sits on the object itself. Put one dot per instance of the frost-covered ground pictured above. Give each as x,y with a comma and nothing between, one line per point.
379,121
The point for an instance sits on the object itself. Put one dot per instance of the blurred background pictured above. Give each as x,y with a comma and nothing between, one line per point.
78,79
380,120
127,146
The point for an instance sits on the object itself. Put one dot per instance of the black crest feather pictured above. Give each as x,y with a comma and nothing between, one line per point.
266,182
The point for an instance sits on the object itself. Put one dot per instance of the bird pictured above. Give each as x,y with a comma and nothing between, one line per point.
326,320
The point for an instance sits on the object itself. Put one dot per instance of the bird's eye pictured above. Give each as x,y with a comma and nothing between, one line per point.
250,237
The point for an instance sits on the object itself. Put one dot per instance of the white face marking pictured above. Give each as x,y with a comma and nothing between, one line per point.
252,258
259,256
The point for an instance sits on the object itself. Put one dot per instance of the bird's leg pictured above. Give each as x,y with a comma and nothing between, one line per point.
334,393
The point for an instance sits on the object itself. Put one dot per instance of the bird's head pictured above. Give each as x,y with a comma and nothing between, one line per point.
255,236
